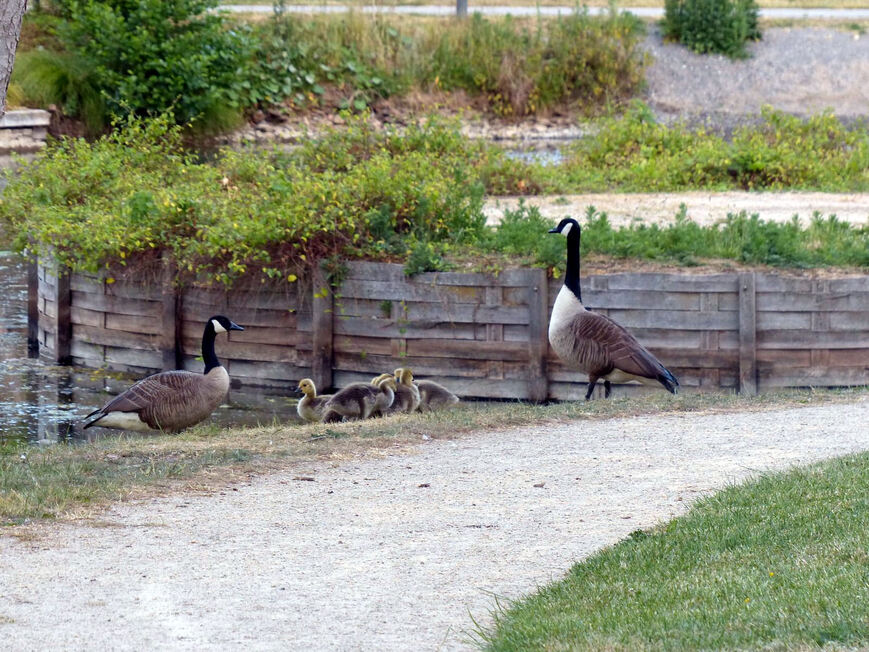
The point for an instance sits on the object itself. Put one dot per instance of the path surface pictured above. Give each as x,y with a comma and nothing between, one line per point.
702,207
387,554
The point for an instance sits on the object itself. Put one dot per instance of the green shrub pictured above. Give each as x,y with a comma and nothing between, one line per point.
712,26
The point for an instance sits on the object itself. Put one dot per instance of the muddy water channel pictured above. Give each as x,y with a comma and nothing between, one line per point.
44,403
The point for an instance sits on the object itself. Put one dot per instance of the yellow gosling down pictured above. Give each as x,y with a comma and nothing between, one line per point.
311,407
360,401
431,395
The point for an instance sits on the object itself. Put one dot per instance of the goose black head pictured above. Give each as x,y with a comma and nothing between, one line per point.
222,324
565,226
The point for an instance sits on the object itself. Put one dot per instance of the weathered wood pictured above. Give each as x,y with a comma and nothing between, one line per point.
538,342
637,299
152,361
32,309
454,313
233,350
791,339
404,291
390,329
468,349
676,319
378,364
747,335
63,320
116,338
671,282
323,319
85,317
170,322
390,272
776,376
117,305
783,301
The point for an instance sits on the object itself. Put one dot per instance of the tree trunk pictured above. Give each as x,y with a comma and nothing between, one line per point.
11,14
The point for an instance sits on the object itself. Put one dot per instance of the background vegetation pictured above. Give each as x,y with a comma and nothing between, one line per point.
712,26
414,195
97,59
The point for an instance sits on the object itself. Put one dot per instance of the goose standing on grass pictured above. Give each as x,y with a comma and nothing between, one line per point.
311,406
172,400
592,342
360,401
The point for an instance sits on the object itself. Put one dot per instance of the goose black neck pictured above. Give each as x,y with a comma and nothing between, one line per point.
571,276
208,354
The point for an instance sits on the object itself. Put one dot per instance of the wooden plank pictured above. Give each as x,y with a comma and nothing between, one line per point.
850,357
85,317
678,319
391,273
63,320
767,320
152,361
322,321
365,345
407,291
462,387
191,331
233,350
538,343
747,334
782,283
671,282
784,357
94,353
32,309
468,349
776,376
251,373
115,338
193,311
850,321
117,305
389,329
850,284
791,339
170,319
138,324
639,299
131,290
378,364
789,301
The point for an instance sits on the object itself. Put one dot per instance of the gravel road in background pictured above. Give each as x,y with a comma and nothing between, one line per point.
388,554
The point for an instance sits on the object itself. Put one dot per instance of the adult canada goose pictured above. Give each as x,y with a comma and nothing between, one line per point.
592,342
172,400
432,396
360,401
406,391
311,406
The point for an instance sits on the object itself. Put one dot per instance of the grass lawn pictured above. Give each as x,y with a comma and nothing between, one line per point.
780,563
63,481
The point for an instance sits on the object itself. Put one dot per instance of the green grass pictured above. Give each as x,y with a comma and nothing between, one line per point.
57,481
779,563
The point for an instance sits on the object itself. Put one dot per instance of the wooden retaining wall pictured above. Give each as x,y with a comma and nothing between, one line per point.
481,335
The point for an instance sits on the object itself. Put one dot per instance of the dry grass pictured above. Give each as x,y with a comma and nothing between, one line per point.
77,481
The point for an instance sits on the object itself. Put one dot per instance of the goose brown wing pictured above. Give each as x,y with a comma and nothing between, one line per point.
606,345
148,391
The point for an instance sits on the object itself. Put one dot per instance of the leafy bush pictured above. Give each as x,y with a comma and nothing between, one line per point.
635,153
712,26
135,195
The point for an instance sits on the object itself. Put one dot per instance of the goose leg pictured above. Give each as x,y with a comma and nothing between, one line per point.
606,389
592,380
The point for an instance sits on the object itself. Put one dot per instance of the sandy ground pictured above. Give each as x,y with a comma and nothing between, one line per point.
703,207
389,554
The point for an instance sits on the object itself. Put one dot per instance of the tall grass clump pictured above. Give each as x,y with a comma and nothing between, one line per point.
635,153
712,26
741,237
777,563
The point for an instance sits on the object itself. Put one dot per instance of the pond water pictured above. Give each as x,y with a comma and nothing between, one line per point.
44,403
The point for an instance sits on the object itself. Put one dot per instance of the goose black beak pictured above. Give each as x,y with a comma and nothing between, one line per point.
235,327
555,230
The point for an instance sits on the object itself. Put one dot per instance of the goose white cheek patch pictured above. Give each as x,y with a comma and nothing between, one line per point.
566,230
217,327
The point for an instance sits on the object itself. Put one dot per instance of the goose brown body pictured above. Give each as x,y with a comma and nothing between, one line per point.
433,396
171,400
594,343
360,401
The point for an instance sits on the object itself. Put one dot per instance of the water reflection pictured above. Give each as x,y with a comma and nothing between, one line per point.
44,403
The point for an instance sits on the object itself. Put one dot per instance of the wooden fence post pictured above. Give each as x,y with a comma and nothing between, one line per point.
462,8
747,334
321,331
63,321
538,340
170,335
33,308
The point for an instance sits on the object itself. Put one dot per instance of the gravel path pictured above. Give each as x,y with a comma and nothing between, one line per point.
386,554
